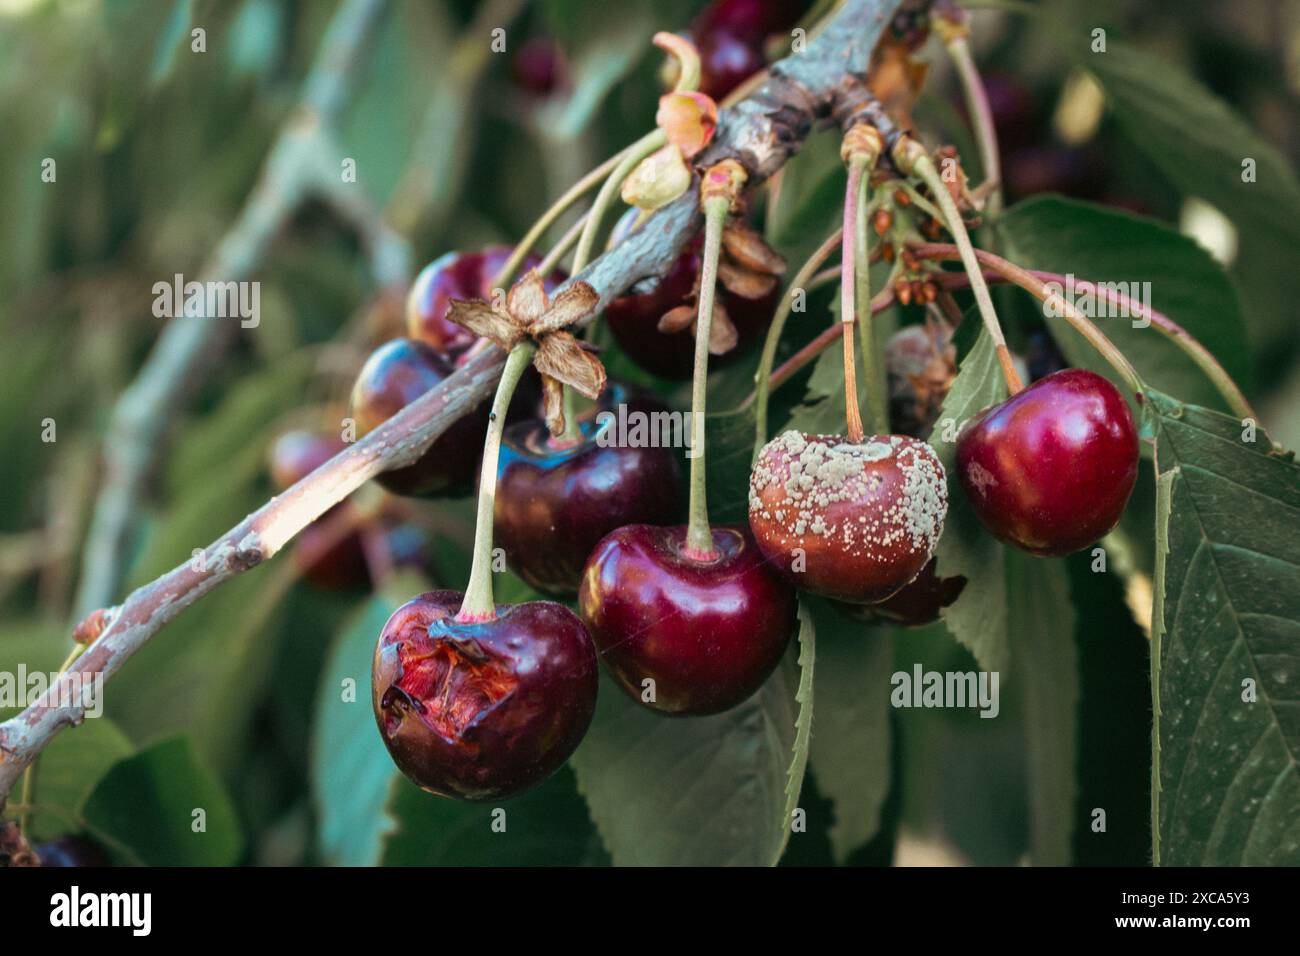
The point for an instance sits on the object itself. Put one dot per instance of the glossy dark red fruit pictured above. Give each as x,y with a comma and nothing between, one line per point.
634,320
731,36
482,711
396,374
919,602
457,275
554,503
707,633
1051,469
847,520
538,69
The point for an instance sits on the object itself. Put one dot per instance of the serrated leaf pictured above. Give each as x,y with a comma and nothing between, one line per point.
803,723
1226,644
978,618
1099,244
1040,629
851,736
697,791
352,775
1194,138
146,805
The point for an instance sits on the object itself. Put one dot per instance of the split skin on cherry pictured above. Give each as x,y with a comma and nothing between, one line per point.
482,710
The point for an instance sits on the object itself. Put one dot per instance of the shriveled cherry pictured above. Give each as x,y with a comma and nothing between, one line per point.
396,374
921,601
1051,468
555,501
847,520
921,363
484,710
685,636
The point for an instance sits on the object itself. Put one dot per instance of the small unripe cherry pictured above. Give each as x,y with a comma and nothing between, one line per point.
854,521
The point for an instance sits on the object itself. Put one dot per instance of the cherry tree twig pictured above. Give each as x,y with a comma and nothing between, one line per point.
760,132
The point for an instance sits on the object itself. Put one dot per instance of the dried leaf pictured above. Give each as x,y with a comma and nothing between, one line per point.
567,309
478,317
678,319
749,285
560,356
553,405
527,301
747,249
722,331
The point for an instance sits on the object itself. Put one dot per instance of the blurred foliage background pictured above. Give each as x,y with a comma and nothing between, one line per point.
157,148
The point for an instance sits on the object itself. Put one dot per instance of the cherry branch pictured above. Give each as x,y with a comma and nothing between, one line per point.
761,133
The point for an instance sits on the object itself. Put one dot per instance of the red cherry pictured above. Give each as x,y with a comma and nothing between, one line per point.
726,61
457,275
917,603
554,504
846,520
634,319
298,453
396,374
486,710
538,69
707,633
1051,469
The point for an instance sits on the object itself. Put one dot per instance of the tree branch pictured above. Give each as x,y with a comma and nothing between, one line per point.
762,132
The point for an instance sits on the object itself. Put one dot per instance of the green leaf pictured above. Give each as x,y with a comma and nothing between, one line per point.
175,33
1195,139
851,742
69,769
729,449
809,204
1044,667
547,826
803,723
978,618
147,806
698,791
352,774
1226,644
1103,245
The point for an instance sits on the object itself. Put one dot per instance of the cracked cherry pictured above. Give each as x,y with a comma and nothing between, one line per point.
555,501
706,632
1051,468
854,521
457,275
396,374
482,710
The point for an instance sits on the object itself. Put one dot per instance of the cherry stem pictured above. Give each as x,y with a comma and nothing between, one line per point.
479,604
873,359
800,284
977,104
921,164
849,284
699,536
28,792
1037,288
627,162
548,218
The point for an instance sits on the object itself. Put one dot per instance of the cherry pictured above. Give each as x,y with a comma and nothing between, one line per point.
1051,468
457,275
634,319
538,69
917,603
706,632
72,850
396,374
483,710
847,520
555,502
726,61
